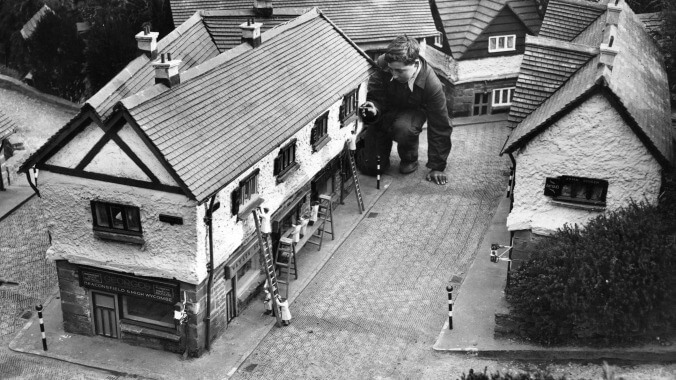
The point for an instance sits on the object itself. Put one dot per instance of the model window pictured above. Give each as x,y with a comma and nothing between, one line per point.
244,269
501,43
116,218
577,190
480,106
503,96
320,130
148,311
248,188
437,39
349,106
286,159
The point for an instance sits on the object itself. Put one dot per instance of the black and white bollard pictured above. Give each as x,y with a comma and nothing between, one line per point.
449,289
378,172
42,327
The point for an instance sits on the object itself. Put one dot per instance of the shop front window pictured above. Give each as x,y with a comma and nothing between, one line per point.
147,311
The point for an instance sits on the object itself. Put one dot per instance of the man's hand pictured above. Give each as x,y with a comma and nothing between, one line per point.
368,110
437,177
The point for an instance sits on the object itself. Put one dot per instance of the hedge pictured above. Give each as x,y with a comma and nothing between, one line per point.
612,282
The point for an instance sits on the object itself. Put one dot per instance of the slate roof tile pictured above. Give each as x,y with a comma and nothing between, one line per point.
565,19
7,126
242,104
363,21
465,20
637,80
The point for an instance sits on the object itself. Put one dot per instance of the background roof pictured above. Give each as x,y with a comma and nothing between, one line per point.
364,21
236,108
465,20
7,126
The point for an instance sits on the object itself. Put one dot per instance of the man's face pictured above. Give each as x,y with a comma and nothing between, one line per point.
402,73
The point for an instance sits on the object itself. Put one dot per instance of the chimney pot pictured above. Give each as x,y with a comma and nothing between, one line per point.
168,56
162,56
613,15
166,72
607,54
147,42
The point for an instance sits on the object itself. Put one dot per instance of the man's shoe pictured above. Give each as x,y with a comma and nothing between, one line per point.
408,167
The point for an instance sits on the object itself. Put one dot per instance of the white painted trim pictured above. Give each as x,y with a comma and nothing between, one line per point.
506,37
500,103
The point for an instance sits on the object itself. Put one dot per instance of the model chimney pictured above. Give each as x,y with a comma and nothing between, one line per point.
251,32
263,8
608,53
614,10
147,42
166,70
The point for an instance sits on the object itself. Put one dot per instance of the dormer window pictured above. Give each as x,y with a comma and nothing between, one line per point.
501,43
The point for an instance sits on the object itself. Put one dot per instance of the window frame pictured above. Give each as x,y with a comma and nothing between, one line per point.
125,316
438,41
245,184
321,124
581,185
350,99
125,222
497,43
510,94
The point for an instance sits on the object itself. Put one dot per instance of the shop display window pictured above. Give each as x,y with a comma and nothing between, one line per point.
147,311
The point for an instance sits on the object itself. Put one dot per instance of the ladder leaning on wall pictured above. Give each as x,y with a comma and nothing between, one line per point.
270,272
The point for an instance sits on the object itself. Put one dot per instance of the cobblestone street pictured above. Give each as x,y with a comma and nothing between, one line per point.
381,299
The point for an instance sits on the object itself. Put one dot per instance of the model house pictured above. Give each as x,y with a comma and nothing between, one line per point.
150,207
592,118
371,24
484,41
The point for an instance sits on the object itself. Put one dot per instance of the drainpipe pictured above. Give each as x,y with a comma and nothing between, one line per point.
30,182
511,205
210,268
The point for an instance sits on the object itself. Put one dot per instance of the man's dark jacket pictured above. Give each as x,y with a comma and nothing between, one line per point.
390,96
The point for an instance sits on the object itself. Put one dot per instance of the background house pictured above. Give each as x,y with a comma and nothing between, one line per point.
136,200
7,127
592,116
486,40
371,24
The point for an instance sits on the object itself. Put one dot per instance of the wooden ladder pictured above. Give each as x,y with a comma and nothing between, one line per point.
355,176
325,216
270,272
286,262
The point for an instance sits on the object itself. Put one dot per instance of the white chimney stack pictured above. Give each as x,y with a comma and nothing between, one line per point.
251,32
608,53
166,71
147,42
614,10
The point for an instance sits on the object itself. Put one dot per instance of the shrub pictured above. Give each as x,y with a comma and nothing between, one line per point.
508,376
613,282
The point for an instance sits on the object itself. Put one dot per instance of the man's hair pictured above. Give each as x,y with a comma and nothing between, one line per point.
403,49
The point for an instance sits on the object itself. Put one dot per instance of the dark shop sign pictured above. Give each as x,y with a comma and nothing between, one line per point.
129,285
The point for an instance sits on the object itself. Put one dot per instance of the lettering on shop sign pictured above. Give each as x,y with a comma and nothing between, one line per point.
552,187
129,285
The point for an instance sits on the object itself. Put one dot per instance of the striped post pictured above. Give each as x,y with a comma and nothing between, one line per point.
509,184
449,289
378,172
42,327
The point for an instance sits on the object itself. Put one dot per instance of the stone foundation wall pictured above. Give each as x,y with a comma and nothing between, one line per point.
463,96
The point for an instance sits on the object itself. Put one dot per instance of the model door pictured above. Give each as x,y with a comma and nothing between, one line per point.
105,314
480,104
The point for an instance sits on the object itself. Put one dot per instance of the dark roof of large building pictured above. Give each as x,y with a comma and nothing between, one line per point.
364,21
231,111
465,20
637,81
7,126
565,19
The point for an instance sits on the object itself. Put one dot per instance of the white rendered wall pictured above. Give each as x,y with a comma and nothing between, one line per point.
489,68
168,250
230,233
73,152
590,141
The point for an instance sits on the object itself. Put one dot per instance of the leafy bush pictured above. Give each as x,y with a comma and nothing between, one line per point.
508,376
613,282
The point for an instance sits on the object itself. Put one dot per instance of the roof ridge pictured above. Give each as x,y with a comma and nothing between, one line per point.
278,11
601,5
556,44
